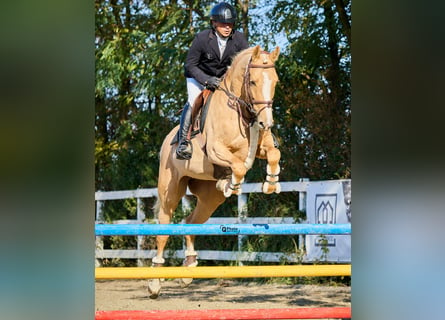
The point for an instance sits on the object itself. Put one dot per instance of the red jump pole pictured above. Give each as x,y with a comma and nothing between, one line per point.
227,314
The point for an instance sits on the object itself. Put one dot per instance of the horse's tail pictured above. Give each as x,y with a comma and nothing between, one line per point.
157,207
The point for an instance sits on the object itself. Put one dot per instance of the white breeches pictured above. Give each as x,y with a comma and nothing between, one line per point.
194,88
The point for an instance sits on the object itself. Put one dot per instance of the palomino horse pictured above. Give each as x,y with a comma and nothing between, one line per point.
236,130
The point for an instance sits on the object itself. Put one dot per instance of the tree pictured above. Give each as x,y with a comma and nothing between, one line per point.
313,100
140,51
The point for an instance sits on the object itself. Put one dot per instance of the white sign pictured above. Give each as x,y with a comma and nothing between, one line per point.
328,202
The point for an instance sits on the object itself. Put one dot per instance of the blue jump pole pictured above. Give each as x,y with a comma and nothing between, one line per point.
219,229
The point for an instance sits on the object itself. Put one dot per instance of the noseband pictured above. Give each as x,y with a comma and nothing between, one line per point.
248,103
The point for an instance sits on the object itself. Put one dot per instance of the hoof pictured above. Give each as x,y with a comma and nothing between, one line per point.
237,192
154,288
269,188
190,261
229,189
221,185
185,282
154,285
277,187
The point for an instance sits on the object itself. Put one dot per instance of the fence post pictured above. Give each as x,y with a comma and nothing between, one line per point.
302,205
99,240
186,204
140,214
242,218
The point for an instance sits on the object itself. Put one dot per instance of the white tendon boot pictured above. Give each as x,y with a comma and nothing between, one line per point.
272,185
189,261
154,285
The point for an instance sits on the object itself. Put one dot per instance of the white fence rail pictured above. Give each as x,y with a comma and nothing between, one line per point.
242,217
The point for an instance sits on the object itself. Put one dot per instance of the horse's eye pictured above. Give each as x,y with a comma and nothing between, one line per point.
252,83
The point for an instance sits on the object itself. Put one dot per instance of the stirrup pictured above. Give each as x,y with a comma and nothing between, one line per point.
184,150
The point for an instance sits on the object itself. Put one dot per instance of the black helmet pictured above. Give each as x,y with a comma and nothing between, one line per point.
223,12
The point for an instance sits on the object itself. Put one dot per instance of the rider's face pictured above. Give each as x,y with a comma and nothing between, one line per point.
224,29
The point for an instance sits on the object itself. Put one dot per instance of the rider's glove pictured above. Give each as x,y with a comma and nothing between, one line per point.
212,83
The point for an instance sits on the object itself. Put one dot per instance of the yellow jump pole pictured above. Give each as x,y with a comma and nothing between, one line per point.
224,272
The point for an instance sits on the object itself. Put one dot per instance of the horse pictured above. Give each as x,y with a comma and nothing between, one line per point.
236,130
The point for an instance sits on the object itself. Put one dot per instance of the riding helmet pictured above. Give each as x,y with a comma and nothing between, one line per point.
223,12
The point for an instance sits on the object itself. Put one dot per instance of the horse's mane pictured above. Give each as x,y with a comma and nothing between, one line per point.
239,61
235,72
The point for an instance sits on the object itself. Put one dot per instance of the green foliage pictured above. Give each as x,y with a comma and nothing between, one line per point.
313,99
140,87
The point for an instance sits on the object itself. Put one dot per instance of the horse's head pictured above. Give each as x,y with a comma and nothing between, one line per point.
259,85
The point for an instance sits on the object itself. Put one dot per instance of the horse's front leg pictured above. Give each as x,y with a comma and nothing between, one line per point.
233,184
267,150
220,155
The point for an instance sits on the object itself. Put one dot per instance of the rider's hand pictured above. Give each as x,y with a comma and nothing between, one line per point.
212,83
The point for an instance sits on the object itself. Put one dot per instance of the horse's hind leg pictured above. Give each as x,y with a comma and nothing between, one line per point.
208,200
268,150
169,195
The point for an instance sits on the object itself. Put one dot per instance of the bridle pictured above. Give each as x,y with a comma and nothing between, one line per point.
235,102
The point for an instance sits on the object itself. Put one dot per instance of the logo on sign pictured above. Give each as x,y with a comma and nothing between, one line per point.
325,206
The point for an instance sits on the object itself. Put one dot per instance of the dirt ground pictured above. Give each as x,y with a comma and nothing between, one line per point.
217,294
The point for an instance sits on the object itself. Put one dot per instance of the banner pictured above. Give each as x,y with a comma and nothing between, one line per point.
328,202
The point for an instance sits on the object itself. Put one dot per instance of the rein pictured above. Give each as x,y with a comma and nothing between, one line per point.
236,102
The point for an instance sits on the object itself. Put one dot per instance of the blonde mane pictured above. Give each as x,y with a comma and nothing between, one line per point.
240,57
235,72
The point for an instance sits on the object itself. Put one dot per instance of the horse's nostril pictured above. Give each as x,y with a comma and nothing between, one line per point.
265,125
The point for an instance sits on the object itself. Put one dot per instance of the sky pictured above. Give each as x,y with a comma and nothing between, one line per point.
260,21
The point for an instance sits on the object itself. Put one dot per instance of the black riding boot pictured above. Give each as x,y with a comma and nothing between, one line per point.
184,149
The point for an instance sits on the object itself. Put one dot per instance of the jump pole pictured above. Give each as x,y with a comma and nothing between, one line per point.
220,229
223,272
227,314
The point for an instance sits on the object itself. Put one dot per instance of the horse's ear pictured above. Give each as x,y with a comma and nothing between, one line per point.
274,54
256,52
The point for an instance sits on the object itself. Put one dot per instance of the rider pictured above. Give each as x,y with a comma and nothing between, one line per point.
209,56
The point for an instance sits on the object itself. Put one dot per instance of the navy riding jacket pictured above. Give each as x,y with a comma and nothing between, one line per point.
203,59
